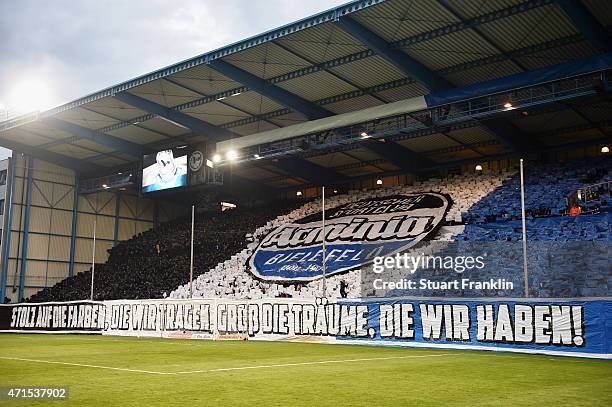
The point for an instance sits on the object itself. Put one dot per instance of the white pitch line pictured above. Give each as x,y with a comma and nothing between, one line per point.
320,362
85,365
225,369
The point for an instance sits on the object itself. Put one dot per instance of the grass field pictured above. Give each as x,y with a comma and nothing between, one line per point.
113,371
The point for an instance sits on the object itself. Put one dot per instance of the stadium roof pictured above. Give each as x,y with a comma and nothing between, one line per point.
350,58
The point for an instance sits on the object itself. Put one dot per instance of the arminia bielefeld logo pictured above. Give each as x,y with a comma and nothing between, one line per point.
355,233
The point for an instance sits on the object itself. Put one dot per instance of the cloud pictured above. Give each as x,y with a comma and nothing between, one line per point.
79,47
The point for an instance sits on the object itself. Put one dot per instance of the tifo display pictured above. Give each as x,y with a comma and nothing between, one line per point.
276,261
387,203
241,253
570,327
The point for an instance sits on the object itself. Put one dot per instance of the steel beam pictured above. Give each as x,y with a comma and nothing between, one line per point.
587,24
353,94
329,16
6,227
73,229
508,133
275,34
305,169
198,126
104,139
451,8
55,158
309,109
221,101
402,61
330,72
404,81
397,154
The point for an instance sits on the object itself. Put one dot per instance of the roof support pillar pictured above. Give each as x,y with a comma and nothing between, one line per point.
73,229
6,228
26,227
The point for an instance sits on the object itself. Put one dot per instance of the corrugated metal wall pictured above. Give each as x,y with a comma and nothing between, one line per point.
50,225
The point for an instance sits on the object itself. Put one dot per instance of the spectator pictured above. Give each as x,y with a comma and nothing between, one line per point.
157,261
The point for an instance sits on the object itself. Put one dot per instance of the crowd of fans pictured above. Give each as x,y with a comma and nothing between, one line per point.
153,263
550,190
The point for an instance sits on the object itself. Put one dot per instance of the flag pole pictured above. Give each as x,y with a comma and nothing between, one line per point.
525,271
191,257
93,259
324,238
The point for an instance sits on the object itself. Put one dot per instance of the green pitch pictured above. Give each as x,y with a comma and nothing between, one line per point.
113,371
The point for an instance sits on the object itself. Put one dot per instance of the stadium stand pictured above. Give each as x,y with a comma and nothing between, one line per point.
153,263
547,189
480,198
485,211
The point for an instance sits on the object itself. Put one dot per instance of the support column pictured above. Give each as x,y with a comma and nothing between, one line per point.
75,212
6,228
26,227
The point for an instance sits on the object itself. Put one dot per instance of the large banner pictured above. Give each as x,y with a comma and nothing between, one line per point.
559,327
59,317
355,232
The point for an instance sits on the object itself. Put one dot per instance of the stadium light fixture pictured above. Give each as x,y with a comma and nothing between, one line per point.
379,182
605,149
232,155
478,167
508,105
298,193
216,158
364,134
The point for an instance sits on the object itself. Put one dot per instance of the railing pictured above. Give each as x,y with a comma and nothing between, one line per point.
115,181
214,177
